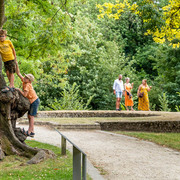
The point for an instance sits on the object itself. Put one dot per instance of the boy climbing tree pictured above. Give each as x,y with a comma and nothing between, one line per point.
8,55
30,93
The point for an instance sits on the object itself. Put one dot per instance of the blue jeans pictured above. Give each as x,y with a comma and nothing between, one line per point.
34,107
119,94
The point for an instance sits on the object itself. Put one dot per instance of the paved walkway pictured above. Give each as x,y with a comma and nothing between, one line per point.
120,157
50,136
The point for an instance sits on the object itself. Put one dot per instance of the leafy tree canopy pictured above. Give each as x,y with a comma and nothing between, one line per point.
162,22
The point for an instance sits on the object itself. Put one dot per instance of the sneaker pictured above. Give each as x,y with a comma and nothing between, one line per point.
31,134
5,90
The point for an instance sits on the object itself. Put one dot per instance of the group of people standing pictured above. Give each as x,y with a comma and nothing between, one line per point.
121,89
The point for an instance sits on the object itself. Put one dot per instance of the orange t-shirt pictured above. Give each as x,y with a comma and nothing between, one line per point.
32,96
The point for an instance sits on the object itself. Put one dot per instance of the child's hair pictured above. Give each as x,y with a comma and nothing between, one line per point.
3,32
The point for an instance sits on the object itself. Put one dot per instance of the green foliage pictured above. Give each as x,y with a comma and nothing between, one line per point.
160,65
51,80
145,60
35,32
63,42
39,31
168,68
151,14
164,102
71,100
178,107
95,63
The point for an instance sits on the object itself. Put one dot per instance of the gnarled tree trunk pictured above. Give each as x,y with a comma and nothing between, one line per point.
14,105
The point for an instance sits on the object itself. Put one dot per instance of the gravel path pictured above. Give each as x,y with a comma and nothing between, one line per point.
121,157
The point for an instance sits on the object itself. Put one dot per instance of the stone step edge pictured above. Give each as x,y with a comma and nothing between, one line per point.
92,113
65,126
143,126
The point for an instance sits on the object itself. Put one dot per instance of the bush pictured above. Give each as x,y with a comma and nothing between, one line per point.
71,100
164,102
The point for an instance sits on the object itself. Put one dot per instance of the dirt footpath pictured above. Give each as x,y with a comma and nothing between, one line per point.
121,157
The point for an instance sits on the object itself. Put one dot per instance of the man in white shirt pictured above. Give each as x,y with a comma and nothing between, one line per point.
118,88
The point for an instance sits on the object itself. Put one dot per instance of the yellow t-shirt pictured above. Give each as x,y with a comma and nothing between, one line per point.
6,50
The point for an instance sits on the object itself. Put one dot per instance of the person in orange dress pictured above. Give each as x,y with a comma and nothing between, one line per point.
142,93
128,95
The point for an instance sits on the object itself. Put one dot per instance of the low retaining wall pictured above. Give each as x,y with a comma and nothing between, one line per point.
148,126
170,121
66,126
71,114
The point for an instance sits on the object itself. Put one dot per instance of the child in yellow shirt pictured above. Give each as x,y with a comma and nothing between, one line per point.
8,55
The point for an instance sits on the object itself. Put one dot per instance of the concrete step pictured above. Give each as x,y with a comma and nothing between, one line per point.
95,126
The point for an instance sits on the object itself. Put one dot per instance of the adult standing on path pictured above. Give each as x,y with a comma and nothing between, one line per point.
142,93
118,89
128,95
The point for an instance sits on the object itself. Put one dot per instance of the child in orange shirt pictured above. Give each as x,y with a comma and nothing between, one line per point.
30,93
8,55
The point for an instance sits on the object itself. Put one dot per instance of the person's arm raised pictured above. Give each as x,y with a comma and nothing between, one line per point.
18,71
14,53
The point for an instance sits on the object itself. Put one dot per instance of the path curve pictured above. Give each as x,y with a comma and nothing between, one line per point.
122,157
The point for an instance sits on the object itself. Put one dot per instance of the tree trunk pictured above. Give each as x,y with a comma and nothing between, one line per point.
14,105
2,16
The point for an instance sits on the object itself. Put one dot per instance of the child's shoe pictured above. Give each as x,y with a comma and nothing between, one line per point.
31,134
5,90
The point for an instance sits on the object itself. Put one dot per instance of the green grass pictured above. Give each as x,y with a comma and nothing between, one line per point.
15,167
171,140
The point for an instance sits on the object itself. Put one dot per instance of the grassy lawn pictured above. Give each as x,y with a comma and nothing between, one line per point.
14,167
171,140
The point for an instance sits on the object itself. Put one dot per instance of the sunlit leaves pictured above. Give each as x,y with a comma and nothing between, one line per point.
115,10
164,21
170,30
38,27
